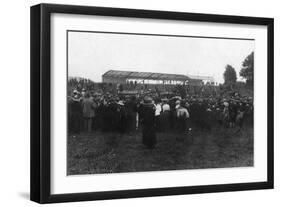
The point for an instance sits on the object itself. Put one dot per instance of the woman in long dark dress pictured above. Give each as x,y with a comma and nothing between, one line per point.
148,123
75,116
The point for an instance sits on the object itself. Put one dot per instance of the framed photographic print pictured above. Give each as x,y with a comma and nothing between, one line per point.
133,103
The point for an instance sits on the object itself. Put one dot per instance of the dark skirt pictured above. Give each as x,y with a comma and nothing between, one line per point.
165,121
149,136
181,124
75,122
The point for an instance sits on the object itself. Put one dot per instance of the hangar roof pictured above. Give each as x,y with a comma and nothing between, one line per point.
144,75
154,76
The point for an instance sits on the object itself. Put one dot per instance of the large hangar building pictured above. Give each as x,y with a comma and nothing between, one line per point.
122,77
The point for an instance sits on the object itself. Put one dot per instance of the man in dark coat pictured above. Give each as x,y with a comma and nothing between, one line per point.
131,109
121,120
75,115
148,123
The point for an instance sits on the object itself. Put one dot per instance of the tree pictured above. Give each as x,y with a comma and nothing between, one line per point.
247,71
229,75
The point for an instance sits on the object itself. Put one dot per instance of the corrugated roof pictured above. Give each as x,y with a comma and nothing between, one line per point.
145,75
154,76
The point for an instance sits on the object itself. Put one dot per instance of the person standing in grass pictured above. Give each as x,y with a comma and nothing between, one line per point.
158,111
148,123
182,116
75,115
131,110
226,114
88,111
166,116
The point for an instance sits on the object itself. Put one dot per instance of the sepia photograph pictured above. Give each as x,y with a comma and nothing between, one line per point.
157,102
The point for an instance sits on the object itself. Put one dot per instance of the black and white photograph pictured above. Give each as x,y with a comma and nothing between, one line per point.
129,103
140,102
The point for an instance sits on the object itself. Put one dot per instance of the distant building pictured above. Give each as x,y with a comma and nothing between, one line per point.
199,80
123,77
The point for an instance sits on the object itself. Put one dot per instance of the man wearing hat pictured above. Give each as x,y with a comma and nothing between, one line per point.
120,117
89,107
148,123
75,113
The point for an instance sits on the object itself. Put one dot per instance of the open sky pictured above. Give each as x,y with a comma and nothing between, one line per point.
92,54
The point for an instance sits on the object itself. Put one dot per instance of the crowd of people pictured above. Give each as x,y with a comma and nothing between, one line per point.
152,113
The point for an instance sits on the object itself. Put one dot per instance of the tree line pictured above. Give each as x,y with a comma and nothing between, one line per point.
246,72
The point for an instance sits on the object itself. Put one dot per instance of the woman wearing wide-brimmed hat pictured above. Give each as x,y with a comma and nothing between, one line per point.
148,123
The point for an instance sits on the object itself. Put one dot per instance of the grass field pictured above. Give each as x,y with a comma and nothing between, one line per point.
99,152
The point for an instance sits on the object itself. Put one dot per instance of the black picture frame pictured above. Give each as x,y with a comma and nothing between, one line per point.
41,96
